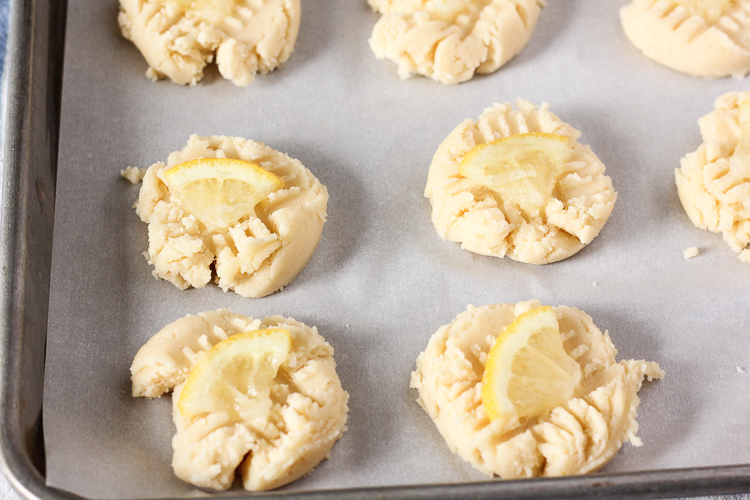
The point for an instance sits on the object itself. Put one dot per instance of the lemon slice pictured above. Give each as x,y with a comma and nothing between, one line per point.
739,162
220,191
710,10
522,169
528,373
235,376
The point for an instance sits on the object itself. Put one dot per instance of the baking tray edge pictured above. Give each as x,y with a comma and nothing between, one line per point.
33,86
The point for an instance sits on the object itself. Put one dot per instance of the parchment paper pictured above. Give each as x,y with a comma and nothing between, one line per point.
382,281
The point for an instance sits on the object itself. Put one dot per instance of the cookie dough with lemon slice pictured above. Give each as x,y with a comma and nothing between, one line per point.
251,213
178,38
261,397
517,182
713,182
706,38
449,41
522,390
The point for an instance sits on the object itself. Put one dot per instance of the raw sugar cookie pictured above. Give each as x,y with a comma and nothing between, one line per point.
516,182
261,396
520,390
178,38
450,41
250,213
714,182
707,38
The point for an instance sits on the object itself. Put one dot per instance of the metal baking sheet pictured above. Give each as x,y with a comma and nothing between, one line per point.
381,281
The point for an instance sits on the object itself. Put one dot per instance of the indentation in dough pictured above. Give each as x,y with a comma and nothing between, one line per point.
450,41
308,414
711,44
245,37
714,194
468,213
578,437
257,256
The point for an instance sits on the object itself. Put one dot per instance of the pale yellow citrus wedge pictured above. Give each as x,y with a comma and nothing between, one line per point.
235,376
220,191
710,10
522,169
528,373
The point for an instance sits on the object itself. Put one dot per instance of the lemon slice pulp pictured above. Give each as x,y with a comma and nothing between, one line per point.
522,169
710,10
220,191
235,376
528,372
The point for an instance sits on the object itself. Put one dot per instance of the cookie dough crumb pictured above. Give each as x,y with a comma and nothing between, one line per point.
741,370
133,174
691,252
713,182
152,75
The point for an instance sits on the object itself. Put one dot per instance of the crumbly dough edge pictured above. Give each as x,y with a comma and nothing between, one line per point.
713,196
180,45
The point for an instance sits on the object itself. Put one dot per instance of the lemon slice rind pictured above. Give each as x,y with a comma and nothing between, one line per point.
235,376
528,372
522,169
220,191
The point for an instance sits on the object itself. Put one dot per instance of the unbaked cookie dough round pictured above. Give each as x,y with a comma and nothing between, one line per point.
706,38
483,222
307,415
450,41
257,256
713,182
577,437
178,38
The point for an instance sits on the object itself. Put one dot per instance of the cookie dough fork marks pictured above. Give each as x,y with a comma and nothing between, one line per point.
706,38
430,47
738,235
689,19
451,44
504,125
502,120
